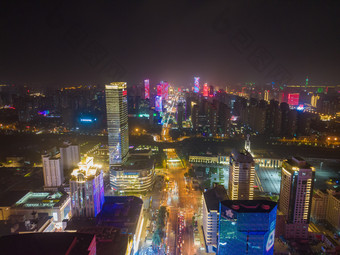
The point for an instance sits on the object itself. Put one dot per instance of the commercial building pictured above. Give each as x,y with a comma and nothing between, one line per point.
241,176
333,210
136,175
297,181
319,206
125,213
247,227
53,170
117,122
70,156
209,159
87,189
211,215
56,204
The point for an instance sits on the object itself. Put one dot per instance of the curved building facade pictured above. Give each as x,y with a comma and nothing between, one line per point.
137,175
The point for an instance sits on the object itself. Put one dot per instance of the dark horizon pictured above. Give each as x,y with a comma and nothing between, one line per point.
59,43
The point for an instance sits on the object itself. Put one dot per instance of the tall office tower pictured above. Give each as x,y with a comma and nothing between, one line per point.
87,189
196,84
180,115
159,90
266,95
205,90
165,90
146,89
158,103
241,176
247,227
53,170
211,215
297,180
117,122
70,156
194,117
224,119
247,144
211,91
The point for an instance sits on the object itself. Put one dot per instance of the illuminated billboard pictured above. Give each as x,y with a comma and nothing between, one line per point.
147,88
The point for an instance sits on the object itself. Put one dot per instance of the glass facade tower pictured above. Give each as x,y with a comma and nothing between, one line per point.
247,227
117,122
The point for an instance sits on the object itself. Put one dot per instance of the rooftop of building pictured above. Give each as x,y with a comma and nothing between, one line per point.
137,162
43,199
213,196
86,170
250,206
298,163
242,156
46,243
108,239
121,211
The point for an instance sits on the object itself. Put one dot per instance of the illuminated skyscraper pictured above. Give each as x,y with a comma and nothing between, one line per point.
297,180
196,84
147,88
158,103
266,95
159,90
241,176
205,90
117,122
87,189
165,90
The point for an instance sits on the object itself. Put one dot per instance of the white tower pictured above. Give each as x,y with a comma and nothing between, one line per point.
247,144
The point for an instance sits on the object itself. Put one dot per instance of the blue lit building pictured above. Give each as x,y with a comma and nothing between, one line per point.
247,227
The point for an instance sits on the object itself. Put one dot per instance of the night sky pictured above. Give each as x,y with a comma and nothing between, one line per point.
56,43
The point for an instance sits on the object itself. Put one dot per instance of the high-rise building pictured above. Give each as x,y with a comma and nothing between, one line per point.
205,90
211,215
266,95
158,103
180,115
117,122
196,84
333,209
87,189
53,170
247,227
146,89
165,90
70,157
297,180
241,176
159,90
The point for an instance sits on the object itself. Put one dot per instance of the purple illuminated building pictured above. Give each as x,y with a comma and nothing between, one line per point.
87,189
